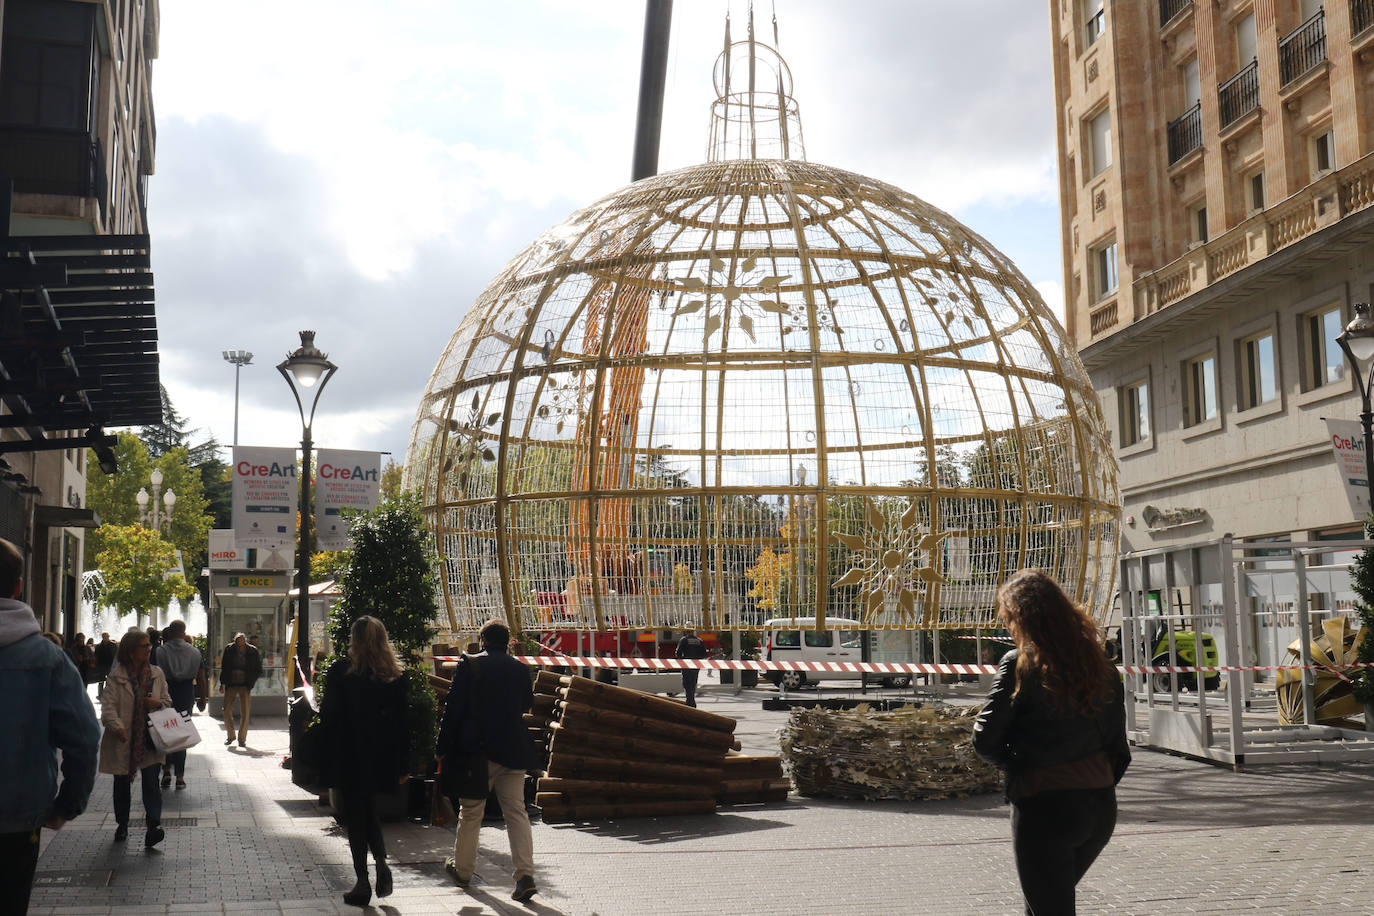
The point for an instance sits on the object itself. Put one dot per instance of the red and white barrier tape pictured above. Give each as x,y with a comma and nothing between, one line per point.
888,668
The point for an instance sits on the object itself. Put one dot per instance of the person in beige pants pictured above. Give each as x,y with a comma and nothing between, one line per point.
484,718
239,669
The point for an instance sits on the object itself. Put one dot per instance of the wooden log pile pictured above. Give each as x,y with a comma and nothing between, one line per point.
614,752
905,754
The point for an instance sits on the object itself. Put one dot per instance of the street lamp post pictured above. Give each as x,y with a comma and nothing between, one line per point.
1357,342
148,512
308,368
239,359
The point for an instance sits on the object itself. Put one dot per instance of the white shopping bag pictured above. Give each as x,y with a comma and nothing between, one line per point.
172,731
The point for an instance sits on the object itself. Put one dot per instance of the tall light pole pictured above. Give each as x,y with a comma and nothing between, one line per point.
239,359
305,367
1357,341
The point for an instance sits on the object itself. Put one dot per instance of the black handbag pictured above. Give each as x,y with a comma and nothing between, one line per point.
464,773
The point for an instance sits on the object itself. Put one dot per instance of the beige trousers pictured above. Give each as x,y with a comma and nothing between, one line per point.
245,700
510,791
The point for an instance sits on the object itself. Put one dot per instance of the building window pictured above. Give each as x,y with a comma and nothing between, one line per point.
1258,371
1254,191
1323,153
1246,44
1095,21
1104,270
1197,222
1100,134
1322,360
1199,389
1135,413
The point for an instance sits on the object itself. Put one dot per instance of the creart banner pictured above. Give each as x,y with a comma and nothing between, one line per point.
1347,444
343,480
265,486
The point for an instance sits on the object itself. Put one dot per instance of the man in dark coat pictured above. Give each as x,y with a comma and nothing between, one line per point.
104,657
484,717
690,646
239,669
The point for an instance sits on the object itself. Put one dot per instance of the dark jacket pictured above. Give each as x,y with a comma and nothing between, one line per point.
1030,731
104,656
367,743
45,710
240,670
691,646
496,725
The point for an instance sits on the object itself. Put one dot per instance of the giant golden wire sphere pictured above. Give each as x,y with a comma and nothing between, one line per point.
760,388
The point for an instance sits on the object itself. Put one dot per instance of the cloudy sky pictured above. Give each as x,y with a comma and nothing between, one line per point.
365,169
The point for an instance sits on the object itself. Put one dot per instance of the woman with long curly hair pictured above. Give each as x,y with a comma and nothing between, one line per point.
1055,722
363,713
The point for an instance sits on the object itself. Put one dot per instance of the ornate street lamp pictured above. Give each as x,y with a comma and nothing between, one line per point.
148,513
238,359
308,368
1357,341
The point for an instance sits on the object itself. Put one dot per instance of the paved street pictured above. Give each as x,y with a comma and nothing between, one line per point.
1192,838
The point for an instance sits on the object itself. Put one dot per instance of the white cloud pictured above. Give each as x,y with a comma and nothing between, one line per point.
367,172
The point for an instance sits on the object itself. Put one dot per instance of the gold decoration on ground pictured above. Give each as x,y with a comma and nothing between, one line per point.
911,753
1332,694
738,362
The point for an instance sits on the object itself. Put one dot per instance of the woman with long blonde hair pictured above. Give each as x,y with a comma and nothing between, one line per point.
363,713
1055,721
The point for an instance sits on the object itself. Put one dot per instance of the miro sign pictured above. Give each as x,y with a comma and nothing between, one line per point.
264,485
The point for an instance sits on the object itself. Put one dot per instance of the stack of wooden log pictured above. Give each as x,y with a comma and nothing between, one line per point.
614,752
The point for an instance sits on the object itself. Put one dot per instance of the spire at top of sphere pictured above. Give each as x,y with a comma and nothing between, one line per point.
754,115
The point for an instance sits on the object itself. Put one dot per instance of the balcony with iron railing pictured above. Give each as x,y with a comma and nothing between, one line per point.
1361,15
1239,95
52,161
1323,203
1185,133
1168,9
1303,48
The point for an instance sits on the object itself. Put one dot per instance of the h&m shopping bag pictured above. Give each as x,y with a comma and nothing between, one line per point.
172,731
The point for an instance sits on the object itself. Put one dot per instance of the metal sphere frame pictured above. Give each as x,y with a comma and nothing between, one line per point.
759,388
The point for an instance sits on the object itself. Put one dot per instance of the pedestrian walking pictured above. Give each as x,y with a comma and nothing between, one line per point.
82,657
1055,721
239,669
134,688
45,710
690,646
367,745
184,669
483,744
104,657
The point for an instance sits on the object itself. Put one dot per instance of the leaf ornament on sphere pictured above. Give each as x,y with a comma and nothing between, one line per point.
739,294
470,440
891,560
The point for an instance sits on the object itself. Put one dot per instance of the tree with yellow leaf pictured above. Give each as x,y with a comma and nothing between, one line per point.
766,574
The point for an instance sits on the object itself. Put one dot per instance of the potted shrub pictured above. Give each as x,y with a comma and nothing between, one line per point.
388,573
1362,581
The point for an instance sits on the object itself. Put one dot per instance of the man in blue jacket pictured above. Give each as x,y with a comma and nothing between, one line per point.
45,709
484,721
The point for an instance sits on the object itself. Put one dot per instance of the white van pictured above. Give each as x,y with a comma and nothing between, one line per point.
789,639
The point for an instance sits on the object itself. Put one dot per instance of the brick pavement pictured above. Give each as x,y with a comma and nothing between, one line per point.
1192,838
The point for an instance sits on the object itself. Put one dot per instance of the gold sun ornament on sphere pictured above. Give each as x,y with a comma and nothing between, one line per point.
888,563
759,387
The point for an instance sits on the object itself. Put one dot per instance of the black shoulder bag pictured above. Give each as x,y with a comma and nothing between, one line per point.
465,770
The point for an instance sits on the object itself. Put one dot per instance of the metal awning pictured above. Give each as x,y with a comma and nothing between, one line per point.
78,336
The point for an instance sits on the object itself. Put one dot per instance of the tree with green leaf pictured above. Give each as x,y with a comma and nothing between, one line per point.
391,479
136,566
115,498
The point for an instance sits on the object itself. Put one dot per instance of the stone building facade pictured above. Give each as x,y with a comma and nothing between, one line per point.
77,137
1216,176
